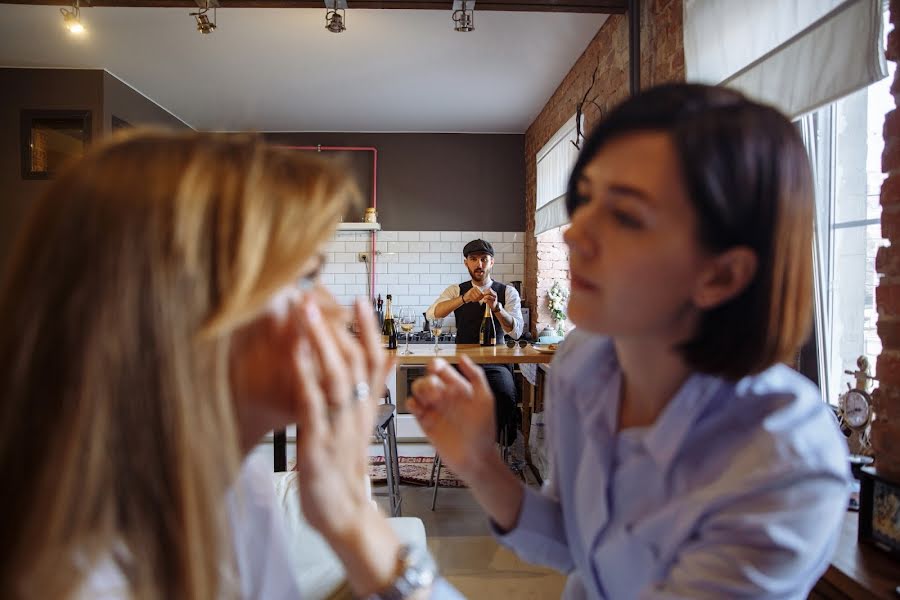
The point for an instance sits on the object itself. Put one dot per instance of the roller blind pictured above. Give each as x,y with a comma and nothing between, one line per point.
796,54
554,164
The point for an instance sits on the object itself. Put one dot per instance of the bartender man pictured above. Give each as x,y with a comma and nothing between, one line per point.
466,301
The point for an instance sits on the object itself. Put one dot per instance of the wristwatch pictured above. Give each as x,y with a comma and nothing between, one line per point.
497,308
417,571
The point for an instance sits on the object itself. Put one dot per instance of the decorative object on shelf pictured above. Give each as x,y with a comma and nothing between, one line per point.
879,512
371,216
557,298
50,138
855,409
579,109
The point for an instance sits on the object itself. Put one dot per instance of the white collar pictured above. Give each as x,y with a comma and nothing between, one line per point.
489,283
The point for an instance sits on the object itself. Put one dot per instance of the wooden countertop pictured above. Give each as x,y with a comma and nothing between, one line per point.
858,570
482,355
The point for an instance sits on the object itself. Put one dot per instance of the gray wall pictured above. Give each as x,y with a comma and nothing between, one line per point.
435,181
122,101
70,89
56,89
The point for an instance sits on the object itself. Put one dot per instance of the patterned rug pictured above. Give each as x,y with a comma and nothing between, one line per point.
414,470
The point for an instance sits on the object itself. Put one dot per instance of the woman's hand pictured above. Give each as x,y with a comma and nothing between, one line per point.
456,413
338,380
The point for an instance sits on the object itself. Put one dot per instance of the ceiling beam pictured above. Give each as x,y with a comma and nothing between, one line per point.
570,6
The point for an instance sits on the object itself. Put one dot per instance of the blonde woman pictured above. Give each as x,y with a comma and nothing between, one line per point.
152,329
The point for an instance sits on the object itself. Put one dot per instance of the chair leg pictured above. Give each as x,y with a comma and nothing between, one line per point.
436,470
395,463
389,472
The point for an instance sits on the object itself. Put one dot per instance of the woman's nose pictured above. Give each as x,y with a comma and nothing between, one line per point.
575,236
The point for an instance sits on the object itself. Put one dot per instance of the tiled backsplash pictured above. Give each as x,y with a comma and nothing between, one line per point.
414,266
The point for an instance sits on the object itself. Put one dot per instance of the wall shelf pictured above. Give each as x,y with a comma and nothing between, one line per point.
359,227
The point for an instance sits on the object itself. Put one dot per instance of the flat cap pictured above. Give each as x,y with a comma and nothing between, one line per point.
478,246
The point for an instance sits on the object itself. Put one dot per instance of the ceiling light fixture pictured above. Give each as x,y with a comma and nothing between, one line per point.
204,25
72,18
336,15
464,15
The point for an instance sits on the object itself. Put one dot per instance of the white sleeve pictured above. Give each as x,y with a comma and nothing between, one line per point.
450,293
514,308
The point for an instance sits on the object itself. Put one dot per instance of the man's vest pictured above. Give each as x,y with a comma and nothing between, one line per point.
469,315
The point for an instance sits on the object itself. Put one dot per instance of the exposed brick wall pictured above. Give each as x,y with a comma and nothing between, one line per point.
886,428
662,59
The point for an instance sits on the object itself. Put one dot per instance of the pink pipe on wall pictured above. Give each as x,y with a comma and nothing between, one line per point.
374,152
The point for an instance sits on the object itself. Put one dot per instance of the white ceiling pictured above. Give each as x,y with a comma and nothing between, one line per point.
280,70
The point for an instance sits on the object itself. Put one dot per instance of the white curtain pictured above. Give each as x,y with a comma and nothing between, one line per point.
817,130
796,54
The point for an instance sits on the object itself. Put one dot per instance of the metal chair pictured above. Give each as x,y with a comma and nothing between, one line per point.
435,477
386,433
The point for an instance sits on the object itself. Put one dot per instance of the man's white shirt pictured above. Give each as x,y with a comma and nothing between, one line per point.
513,306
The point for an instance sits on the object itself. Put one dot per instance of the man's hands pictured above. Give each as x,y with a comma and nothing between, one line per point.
490,298
474,295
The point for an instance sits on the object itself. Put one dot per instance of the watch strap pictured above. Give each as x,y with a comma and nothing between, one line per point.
417,571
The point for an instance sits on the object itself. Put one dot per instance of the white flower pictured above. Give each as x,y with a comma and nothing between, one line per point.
557,297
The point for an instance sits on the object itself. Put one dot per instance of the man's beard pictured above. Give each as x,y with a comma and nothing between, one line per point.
485,274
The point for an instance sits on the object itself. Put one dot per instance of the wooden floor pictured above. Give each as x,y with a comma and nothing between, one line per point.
459,539
467,553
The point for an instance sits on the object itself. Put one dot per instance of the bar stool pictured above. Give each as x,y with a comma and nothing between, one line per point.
386,432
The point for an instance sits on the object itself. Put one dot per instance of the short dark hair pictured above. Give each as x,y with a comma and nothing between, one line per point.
747,174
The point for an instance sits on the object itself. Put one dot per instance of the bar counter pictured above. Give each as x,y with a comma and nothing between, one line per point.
482,355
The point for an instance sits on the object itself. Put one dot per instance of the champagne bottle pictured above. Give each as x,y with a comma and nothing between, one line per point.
487,336
380,312
389,330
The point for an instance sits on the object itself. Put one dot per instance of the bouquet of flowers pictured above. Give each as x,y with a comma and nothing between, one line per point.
557,298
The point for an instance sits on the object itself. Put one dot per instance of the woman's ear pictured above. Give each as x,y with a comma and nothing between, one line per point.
727,275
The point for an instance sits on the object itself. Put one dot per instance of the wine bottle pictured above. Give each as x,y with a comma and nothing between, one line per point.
487,336
389,330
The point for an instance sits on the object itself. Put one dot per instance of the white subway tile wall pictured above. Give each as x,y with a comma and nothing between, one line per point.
413,266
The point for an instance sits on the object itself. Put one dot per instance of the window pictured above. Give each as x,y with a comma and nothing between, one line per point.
51,138
554,165
845,143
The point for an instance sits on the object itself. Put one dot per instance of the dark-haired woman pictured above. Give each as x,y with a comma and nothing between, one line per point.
686,460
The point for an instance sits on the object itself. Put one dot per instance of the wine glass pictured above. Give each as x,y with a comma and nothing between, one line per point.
437,326
407,324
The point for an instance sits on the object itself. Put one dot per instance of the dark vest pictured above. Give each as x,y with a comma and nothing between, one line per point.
469,315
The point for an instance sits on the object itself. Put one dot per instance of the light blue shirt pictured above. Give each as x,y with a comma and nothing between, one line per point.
738,490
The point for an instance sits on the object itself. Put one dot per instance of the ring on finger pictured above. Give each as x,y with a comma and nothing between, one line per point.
361,392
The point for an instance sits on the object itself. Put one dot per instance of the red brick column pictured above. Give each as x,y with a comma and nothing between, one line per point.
662,59
886,428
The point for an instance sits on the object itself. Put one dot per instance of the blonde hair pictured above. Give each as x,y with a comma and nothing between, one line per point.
116,312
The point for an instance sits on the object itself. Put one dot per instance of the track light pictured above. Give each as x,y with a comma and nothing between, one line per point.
464,15
72,19
335,15
204,25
